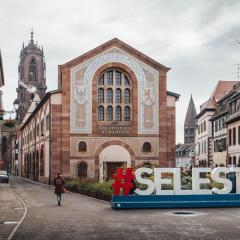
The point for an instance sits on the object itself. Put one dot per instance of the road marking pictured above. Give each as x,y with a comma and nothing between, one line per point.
10,222
23,217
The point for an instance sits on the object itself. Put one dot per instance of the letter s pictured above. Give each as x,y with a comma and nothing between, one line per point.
145,181
216,178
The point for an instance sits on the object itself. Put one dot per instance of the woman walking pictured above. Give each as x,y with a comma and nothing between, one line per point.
59,188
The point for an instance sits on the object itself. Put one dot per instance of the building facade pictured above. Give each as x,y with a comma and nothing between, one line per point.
233,128
117,112
204,133
113,110
185,154
219,131
31,76
39,138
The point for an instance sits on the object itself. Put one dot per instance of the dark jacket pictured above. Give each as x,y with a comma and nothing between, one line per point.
59,185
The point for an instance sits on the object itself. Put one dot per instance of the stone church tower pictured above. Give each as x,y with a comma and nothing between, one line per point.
31,76
190,122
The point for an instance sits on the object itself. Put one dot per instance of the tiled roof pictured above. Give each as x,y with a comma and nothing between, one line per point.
221,89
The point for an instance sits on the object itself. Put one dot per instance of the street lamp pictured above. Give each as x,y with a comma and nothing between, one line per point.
15,104
16,150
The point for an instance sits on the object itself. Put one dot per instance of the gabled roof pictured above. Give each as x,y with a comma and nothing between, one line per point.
2,83
222,88
120,44
31,108
37,103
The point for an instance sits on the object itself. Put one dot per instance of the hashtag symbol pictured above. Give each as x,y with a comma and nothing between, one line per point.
123,181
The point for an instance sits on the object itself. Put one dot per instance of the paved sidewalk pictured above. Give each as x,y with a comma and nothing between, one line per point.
82,218
11,210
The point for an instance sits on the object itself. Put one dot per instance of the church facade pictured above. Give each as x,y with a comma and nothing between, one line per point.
115,111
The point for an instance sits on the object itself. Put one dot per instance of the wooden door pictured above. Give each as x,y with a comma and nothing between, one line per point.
112,168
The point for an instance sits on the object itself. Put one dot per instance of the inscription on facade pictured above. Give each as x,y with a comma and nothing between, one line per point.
114,130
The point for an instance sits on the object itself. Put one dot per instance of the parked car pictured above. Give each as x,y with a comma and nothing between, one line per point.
4,177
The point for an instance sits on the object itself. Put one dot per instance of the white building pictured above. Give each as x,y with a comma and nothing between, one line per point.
204,146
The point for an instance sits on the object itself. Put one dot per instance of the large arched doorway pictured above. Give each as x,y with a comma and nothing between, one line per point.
82,170
111,158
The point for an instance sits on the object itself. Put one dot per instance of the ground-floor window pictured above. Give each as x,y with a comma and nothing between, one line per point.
82,170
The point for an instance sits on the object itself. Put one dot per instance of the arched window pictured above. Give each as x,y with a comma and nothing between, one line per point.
100,113
33,71
118,95
118,113
114,90
110,77
147,147
101,80
82,146
229,161
127,96
109,113
100,95
234,161
118,78
126,81
127,113
109,95
82,170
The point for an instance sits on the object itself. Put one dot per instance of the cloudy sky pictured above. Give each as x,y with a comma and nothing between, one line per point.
196,38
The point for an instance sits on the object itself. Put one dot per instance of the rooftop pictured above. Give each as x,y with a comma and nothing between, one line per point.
222,88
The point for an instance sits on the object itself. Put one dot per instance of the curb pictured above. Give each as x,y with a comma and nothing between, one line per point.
51,186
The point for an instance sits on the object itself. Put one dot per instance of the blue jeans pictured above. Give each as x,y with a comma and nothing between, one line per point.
59,198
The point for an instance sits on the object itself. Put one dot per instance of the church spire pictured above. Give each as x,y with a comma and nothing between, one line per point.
190,121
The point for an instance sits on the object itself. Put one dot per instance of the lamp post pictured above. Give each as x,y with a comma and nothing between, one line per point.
16,142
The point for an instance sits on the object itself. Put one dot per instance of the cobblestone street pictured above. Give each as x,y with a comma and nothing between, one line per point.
85,218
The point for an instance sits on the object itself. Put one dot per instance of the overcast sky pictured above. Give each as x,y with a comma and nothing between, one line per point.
196,38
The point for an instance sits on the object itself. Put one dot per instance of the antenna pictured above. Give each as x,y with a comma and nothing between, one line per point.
238,71
236,75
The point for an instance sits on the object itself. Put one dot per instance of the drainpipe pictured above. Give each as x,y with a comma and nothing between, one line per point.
35,150
49,139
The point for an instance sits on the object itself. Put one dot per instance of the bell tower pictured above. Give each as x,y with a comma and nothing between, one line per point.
31,75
